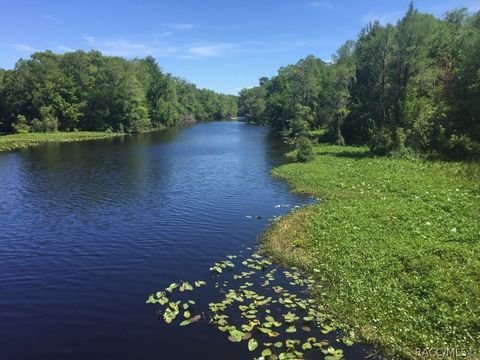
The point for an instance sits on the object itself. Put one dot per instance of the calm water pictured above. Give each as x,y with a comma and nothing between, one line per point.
89,230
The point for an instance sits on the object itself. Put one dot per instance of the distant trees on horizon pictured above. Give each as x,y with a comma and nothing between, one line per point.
89,91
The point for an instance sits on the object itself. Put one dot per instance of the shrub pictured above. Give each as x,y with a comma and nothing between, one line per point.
49,120
305,150
382,142
20,126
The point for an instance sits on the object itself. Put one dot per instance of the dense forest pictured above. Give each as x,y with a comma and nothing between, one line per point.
410,86
89,91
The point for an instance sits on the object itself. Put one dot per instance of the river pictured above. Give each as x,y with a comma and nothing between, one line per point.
88,230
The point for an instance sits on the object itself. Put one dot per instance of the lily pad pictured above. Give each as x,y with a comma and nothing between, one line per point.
252,344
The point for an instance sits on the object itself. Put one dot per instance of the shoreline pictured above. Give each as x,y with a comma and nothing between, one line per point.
14,142
382,232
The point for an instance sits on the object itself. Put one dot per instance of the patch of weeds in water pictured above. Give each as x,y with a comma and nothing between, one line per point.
260,305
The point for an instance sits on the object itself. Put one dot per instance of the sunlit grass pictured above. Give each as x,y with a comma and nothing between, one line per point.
18,141
395,242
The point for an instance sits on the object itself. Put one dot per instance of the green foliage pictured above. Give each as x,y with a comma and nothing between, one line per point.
252,104
421,75
382,142
305,150
48,122
395,242
89,91
20,126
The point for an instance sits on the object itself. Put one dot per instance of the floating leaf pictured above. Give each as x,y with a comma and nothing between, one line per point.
252,344
270,319
186,287
277,289
266,352
246,336
290,317
171,287
217,269
307,346
195,318
333,354
291,329
249,327
265,330
200,283
151,300
327,329
235,335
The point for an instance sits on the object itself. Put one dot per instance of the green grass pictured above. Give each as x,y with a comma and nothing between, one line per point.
18,141
316,134
395,244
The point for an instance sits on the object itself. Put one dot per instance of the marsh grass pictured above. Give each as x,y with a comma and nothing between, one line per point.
395,242
19,141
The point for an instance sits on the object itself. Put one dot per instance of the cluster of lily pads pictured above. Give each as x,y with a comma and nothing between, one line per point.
258,304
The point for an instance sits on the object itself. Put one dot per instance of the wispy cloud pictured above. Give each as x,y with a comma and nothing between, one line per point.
197,50
120,47
320,4
383,18
24,48
218,49
188,26
50,17
181,26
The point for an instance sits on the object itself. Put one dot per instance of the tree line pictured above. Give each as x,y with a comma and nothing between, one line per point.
414,85
89,91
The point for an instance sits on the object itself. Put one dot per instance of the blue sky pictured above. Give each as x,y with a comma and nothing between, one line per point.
218,44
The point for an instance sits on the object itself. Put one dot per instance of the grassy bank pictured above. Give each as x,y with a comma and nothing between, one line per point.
395,244
18,141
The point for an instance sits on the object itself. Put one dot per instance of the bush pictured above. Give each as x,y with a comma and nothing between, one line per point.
49,120
462,147
305,150
36,126
382,142
20,126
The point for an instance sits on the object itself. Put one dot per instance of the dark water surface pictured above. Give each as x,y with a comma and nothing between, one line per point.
89,230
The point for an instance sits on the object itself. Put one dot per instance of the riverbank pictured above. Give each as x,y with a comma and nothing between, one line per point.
394,243
19,141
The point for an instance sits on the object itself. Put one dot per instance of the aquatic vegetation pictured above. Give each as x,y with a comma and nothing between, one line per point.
392,242
18,141
268,309
221,265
